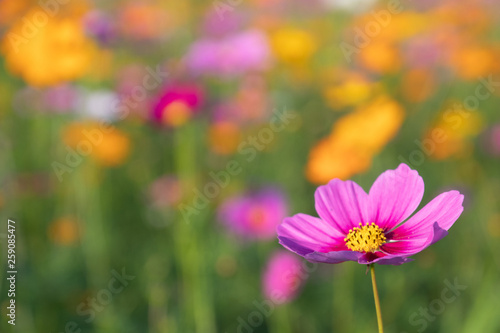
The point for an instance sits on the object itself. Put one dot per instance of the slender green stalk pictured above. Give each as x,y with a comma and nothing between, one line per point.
377,301
189,241
281,320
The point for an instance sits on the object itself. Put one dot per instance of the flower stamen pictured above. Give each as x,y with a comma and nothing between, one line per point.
365,238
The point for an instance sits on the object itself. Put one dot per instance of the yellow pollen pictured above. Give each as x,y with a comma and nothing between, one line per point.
366,238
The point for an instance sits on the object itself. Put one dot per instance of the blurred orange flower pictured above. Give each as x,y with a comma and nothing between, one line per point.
473,62
64,231
11,10
224,137
354,140
145,21
109,147
50,53
392,27
456,130
380,57
418,85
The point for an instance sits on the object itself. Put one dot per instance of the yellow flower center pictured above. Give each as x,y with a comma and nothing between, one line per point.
365,238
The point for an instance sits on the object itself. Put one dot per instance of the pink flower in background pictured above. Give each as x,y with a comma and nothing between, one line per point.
250,104
283,277
369,228
165,191
217,27
231,56
62,98
491,140
423,51
254,215
177,104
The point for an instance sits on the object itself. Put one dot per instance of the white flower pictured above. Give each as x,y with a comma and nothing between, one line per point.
100,105
354,6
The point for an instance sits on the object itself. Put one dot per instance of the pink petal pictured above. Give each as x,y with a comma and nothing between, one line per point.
382,259
392,260
443,209
414,245
395,195
334,257
304,234
343,204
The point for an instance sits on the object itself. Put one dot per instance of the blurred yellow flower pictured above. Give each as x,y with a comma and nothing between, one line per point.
354,141
108,147
456,129
293,46
50,53
64,231
351,92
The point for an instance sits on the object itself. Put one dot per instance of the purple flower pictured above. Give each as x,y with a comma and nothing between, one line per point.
101,26
254,215
283,277
367,227
231,56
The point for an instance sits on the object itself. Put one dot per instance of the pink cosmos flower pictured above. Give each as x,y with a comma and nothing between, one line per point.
254,215
491,140
423,51
368,227
216,26
177,104
230,56
61,99
165,191
283,277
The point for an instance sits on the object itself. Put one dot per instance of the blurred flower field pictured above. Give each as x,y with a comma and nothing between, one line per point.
150,149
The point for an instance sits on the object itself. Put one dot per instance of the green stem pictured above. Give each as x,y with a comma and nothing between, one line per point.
377,301
281,320
188,238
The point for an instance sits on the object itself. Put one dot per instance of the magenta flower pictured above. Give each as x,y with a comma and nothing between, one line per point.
254,215
369,228
177,104
283,277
